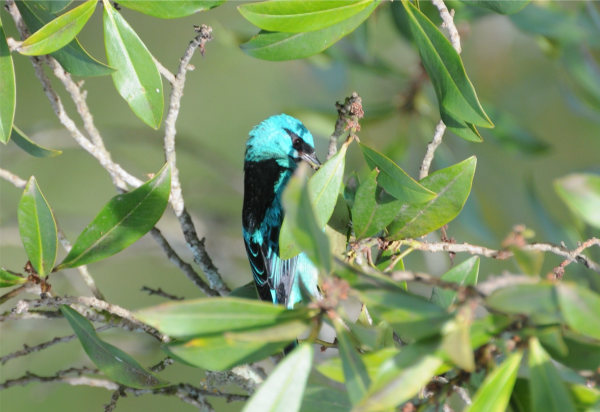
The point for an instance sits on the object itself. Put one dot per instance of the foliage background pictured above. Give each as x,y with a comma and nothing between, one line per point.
227,94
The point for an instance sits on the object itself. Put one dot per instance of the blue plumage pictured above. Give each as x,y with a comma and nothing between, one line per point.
272,152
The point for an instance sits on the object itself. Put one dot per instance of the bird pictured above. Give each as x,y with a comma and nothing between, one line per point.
273,151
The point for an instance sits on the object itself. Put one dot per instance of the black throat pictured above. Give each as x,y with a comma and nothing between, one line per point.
259,191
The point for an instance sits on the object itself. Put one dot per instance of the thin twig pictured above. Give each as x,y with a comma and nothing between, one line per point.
559,271
12,178
431,147
448,18
160,292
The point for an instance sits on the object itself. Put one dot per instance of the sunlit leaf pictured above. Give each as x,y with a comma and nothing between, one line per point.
37,228
296,17
73,58
465,274
580,307
170,9
333,369
459,107
123,220
112,361
8,96
494,394
8,279
394,180
281,332
136,79
53,6
500,6
456,342
208,316
581,193
284,388
323,188
549,393
321,398
373,208
453,186
277,46
59,32
34,149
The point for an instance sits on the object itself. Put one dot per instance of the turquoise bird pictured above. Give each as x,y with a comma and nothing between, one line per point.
273,151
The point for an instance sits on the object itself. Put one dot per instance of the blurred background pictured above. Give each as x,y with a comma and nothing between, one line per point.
534,73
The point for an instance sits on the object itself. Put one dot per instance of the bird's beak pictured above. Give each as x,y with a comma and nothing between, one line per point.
311,159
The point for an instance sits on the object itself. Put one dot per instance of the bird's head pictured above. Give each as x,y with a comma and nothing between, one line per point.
282,138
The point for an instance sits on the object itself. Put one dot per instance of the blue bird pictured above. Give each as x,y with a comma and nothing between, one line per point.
273,150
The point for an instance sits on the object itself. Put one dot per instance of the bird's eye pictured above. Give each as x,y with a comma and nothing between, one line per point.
297,143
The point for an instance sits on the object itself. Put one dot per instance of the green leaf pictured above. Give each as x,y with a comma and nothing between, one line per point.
112,361
355,373
170,9
340,218
284,388
21,140
297,17
500,6
318,398
373,208
59,32
457,341
277,46
301,220
399,384
8,91
288,331
8,279
209,316
217,352
136,79
409,315
53,6
539,301
73,58
247,291
459,107
464,274
323,188
494,394
585,399
529,262
334,370
453,185
350,189
581,308
582,353
549,393
394,180
556,23
581,193
37,228
123,220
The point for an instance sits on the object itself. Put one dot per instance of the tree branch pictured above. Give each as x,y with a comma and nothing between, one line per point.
12,178
348,113
160,292
431,147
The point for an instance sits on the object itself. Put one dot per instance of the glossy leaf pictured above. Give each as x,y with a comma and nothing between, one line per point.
137,79
456,342
32,148
406,382
112,361
301,221
459,107
8,91
453,186
500,6
37,228
355,373
323,188
394,180
373,208
548,392
581,193
334,370
284,388
539,301
59,32
216,352
53,6
494,394
247,291
585,399
123,220
73,58
297,17
277,46
464,274
321,398
281,332
170,9
8,279
209,316
581,308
